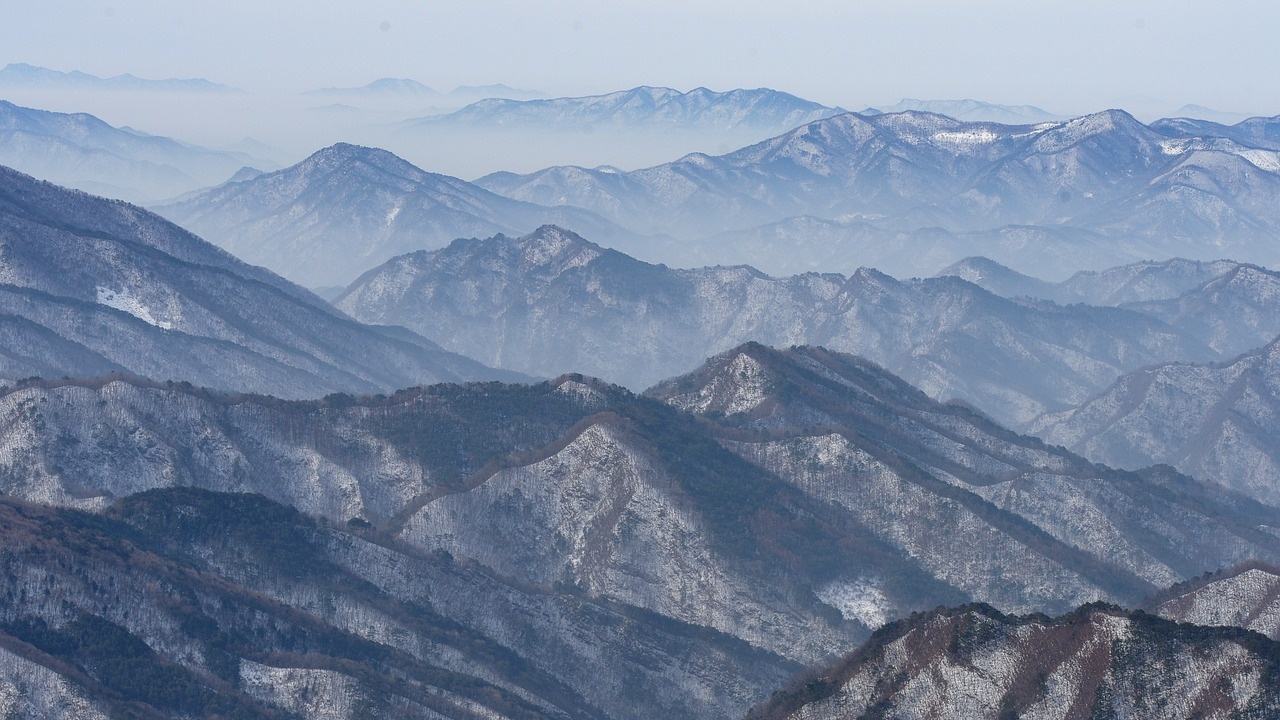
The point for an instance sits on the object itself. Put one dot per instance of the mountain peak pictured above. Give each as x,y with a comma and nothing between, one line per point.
399,85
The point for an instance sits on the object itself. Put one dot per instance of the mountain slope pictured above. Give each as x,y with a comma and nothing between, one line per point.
187,602
567,547
83,152
1228,306
552,301
1133,283
1231,313
916,472
1099,661
907,172
1213,421
346,209
1245,596
89,285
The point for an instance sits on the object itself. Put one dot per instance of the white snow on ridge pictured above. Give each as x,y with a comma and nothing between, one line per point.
1268,160
966,137
862,600
125,302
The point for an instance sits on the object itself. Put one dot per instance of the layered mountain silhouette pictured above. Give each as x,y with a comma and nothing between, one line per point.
80,151
1215,421
89,286
347,208
971,111
495,542
551,300
760,109
1099,661
1132,283
1116,187
1225,304
25,75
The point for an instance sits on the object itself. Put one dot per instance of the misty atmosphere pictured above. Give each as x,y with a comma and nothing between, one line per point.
568,360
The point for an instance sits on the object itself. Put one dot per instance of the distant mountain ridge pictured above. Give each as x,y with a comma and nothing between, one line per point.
1115,187
89,286
1214,421
1132,283
407,89
24,74
347,208
645,106
81,151
972,111
554,300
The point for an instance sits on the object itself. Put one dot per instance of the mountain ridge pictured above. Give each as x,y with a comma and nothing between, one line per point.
479,297
122,284
300,220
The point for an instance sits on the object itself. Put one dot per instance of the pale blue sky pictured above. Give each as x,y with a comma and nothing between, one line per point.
1068,57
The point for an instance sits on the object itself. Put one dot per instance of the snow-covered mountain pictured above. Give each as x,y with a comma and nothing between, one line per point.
1232,313
1227,305
813,497
912,471
1104,179
80,151
89,285
1132,283
346,209
551,301
1258,132
972,111
1245,596
1096,662
566,549
185,603
1214,421
760,109
24,75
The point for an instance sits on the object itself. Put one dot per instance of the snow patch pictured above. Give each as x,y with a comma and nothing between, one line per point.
125,302
582,392
394,211
966,137
862,600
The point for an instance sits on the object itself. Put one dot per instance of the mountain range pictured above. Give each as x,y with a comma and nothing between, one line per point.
1258,132
80,151
346,209
403,89
1132,283
761,109
566,549
1117,188
1214,421
1225,304
971,111
24,75
909,193
1096,662
90,286
551,300
222,496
